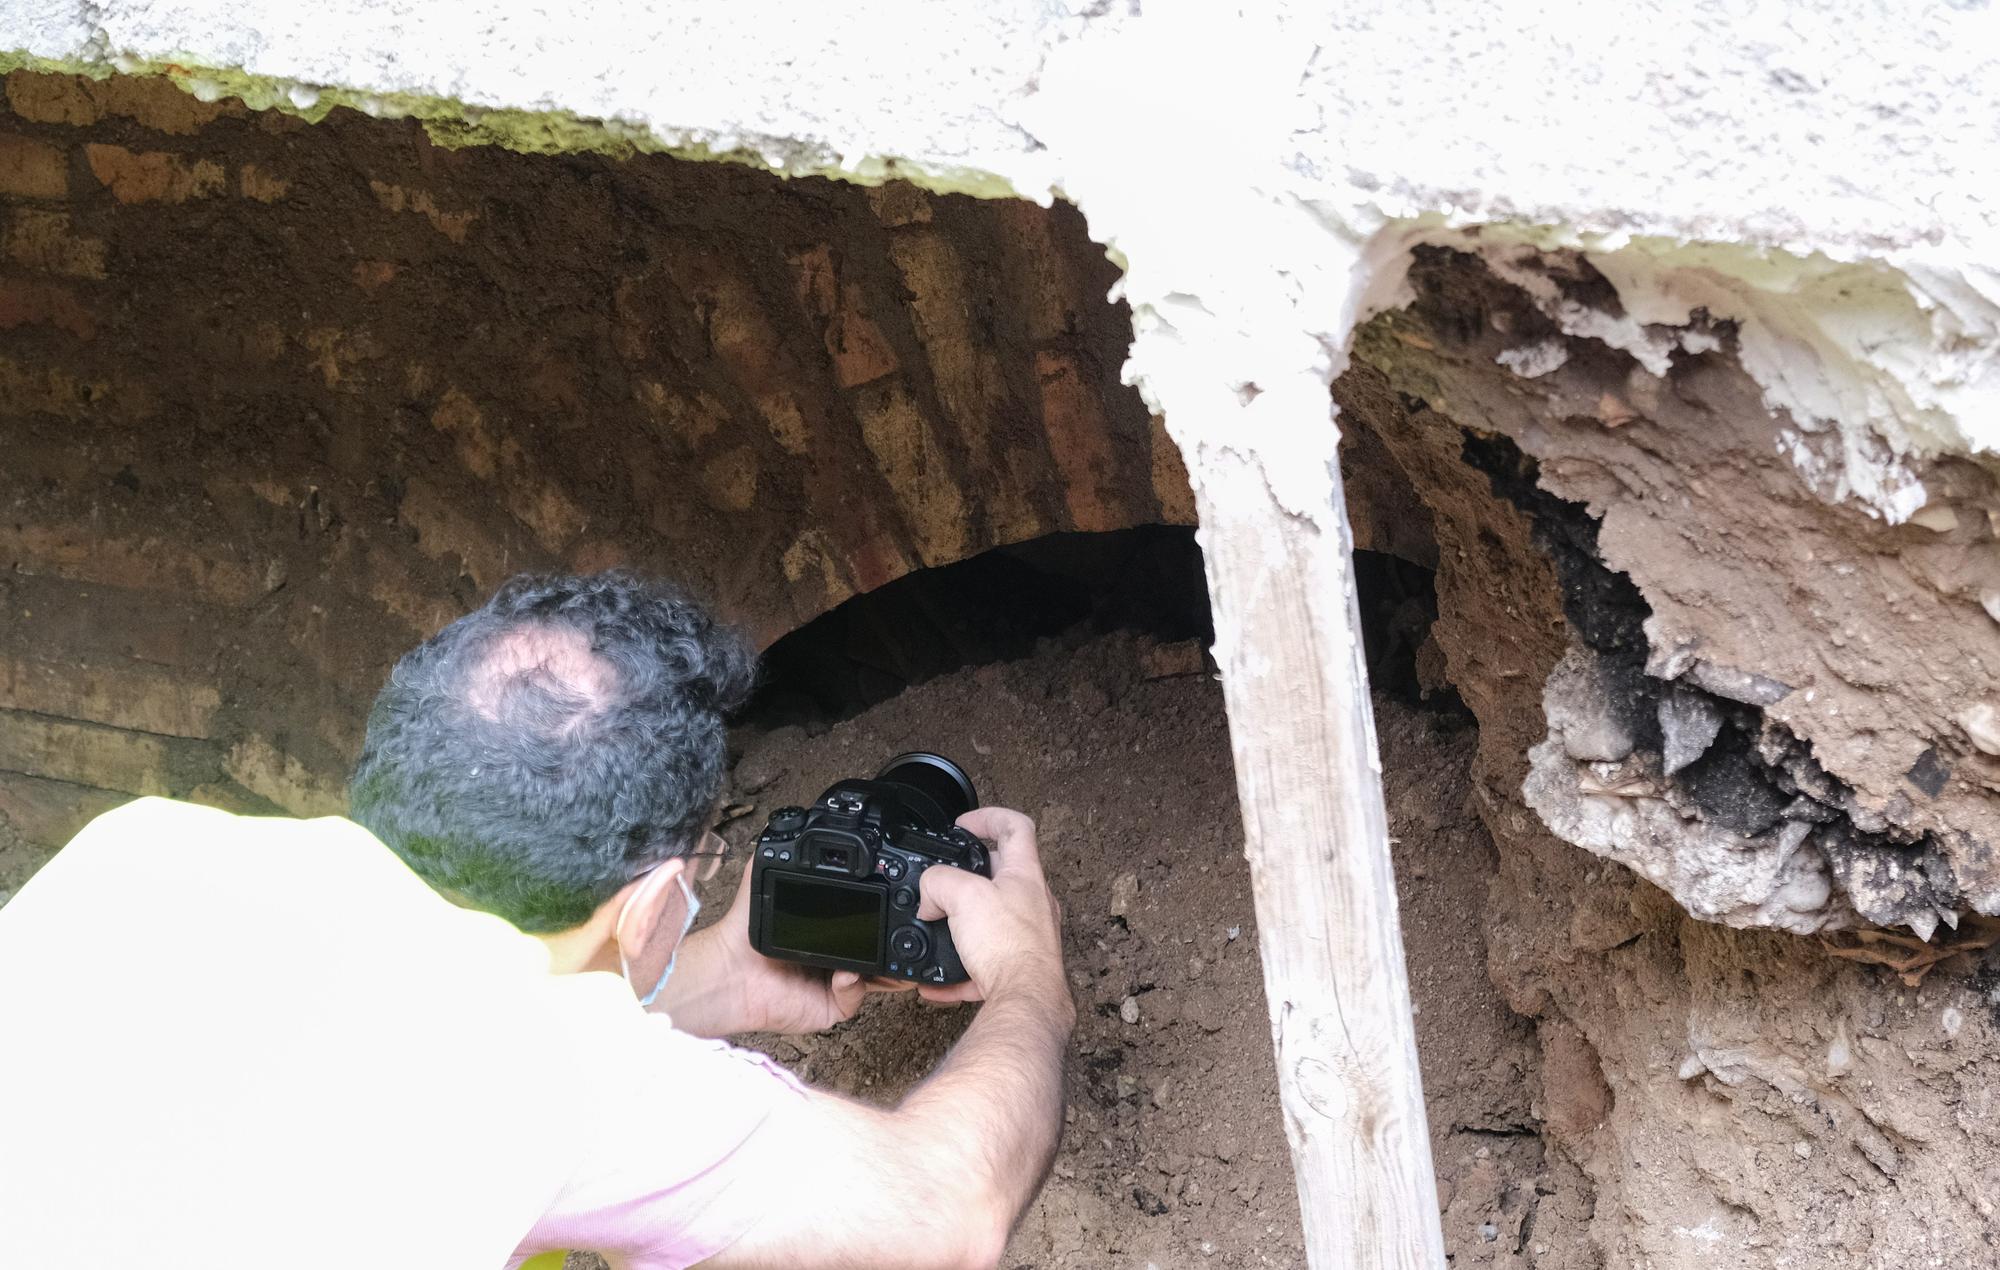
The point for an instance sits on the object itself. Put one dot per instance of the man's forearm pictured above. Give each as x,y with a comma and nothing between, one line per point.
999,1093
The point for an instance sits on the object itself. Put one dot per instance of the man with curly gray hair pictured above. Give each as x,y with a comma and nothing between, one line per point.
469,1026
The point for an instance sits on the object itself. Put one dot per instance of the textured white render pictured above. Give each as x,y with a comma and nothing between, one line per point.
1825,171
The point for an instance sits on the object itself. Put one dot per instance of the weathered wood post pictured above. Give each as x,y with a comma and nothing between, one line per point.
1262,450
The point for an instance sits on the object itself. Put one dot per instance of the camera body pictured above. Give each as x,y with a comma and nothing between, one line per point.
837,884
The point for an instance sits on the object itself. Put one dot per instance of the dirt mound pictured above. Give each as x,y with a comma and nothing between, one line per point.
1175,1154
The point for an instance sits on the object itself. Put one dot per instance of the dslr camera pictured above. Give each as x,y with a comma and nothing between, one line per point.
835,884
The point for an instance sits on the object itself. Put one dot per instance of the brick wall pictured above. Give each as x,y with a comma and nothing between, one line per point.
278,399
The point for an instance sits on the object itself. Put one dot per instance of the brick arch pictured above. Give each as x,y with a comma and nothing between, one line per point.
279,399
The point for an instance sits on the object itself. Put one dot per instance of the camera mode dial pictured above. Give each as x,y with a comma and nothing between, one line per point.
786,822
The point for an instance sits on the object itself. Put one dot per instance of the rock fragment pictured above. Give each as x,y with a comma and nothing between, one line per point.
1689,724
1124,889
1982,726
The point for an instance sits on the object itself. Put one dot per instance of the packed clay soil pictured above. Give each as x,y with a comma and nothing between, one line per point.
1174,1153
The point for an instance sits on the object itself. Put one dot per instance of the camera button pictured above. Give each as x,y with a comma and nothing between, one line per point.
893,869
904,897
769,853
784,855
909,944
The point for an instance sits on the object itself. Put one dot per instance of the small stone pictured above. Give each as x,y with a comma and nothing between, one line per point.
1937,518
1982,726
1488,1231
1689,724
1167,661
1803,1150
1128,1086
1989,599
1234,932
1124,889
1207,1248
1953,1020
1161,1090
1128,1009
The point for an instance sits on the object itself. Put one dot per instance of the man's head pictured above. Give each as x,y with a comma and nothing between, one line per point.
535,755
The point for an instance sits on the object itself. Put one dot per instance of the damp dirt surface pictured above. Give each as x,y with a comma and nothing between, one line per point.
1174,1152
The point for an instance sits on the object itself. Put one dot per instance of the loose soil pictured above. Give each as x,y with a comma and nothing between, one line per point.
1174,1153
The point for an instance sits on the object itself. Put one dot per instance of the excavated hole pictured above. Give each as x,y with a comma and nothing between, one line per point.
1068,674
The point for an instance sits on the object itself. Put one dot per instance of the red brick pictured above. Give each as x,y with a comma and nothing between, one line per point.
95,623
1170,478
153,101
1050,297
87,553
967,371
49,813
64,99
457,417
907,453
25,302
449,529
857,346
266,771
537,501
900,203
153,176
83,753
261,183
40,239
372,275
233,798
122,694
1073,416
30,169
396,198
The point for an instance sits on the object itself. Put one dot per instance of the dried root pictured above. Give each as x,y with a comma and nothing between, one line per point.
1912,958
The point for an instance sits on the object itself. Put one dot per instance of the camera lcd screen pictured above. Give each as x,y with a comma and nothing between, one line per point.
826,919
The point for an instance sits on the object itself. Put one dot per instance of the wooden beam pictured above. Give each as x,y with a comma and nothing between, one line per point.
1288,639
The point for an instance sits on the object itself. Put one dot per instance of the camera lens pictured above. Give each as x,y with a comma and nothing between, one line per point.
939,791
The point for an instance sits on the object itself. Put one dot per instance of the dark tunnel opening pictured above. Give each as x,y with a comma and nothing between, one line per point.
1063,590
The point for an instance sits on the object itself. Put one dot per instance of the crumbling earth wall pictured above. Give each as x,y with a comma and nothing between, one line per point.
1685,661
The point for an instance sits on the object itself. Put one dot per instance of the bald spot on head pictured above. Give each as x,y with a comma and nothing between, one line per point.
548,661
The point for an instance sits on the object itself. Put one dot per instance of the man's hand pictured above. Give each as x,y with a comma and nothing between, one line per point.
723,986
1007,928
977,1138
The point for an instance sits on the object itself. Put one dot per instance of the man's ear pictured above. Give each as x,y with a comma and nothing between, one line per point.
647,895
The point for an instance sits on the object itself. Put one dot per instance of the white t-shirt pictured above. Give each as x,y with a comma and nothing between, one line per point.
242,1042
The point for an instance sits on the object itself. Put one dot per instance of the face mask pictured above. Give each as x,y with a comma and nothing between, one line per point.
625,967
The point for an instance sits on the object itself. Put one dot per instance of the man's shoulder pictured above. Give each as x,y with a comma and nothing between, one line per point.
172,817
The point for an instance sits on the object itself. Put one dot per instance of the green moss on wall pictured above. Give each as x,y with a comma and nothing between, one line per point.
454,124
